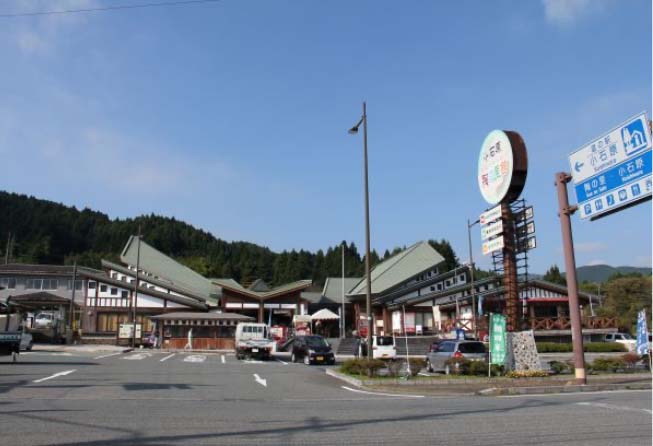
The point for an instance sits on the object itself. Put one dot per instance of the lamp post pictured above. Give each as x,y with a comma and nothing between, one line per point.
471,272
368,293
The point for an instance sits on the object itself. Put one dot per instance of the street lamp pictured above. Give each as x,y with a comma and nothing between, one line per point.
368,293
471,272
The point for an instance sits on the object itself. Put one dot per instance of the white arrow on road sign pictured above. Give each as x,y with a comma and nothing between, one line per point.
263,382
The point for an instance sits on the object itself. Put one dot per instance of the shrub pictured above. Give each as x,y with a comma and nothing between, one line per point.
367,367
607,364
559,367
394,367
526,374
416,365
631,359
553,347
458,366
604,347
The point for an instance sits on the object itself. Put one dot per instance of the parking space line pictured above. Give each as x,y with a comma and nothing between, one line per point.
106,356
195,358
222,359
282,362
395,395
66,372
167,357
614,407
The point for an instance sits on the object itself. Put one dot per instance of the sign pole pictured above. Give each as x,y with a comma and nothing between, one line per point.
565,211
510,269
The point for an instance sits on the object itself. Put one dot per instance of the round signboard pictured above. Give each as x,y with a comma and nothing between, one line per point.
502,166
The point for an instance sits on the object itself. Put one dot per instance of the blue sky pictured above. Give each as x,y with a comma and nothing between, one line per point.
233,116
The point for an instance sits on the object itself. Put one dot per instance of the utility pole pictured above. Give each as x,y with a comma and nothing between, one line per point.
7,249
71,316
471,272
565,211
135,306
342,316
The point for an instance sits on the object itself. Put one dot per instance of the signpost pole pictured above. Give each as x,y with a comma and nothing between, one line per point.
565,211
510,269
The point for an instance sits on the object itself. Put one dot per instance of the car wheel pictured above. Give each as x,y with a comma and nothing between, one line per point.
29,347
293,358
429,367
307,359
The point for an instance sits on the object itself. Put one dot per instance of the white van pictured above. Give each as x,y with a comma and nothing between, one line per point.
383,347
252,341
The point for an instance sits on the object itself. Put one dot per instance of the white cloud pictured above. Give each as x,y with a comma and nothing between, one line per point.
38,36
597,262
567,12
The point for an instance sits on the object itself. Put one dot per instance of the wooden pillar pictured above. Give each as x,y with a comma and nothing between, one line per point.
387,325
357,314
261,315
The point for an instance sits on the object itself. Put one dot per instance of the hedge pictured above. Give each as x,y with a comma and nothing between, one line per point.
590,347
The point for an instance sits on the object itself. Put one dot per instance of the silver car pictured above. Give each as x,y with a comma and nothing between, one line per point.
436,360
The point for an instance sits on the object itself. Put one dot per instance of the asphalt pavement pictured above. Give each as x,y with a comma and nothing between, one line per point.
156,398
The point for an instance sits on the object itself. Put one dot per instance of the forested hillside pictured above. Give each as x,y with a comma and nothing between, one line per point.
46,232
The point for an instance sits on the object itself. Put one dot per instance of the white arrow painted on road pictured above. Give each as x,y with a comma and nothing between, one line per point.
263,382
67,372
195,358
106,356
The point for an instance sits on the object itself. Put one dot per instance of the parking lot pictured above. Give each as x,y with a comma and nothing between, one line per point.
150,397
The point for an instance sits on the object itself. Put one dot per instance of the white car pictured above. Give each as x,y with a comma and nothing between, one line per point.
26,342
44,320
383,347
622,338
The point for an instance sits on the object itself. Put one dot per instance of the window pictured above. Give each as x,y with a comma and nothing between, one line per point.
445,347
78,285
124,294
114,275
471,347
448,283
461,278
9,283
50,284
114,291
439,285
91,285
432,288
33,284
103,288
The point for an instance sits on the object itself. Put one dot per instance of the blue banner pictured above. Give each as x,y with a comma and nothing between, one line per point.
642,334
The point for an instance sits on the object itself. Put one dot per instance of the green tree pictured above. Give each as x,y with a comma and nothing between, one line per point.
624,298
553,275
444,248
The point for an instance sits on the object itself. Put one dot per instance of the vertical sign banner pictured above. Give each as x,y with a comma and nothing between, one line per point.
642,334
497,339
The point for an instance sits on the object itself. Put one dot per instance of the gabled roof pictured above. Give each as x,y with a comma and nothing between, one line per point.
187,315
161,265
400,267
230,284
332,290
160,282
43,270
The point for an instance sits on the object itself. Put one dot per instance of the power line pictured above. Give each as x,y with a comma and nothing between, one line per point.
109,8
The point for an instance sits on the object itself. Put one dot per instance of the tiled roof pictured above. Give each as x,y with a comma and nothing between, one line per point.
231,284
332,290
210,316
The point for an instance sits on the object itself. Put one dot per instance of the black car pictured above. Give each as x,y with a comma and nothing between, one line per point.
312,349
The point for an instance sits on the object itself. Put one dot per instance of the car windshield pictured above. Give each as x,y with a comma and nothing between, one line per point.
626,336
316,341
384,340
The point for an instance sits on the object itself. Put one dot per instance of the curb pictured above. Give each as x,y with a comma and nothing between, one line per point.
506,391
348,379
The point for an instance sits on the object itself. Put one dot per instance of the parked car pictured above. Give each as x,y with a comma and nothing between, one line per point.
622,338
447,349
26,342
312,349
383,347
44,320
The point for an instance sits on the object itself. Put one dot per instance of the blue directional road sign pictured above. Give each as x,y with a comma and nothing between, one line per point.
613,170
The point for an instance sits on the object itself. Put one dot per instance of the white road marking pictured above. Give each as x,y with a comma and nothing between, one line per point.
195,358
396,395
138,356
106,356
166,358
571,394
67,372
423,374
222,359
282,362
263,382
252,361
614,407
